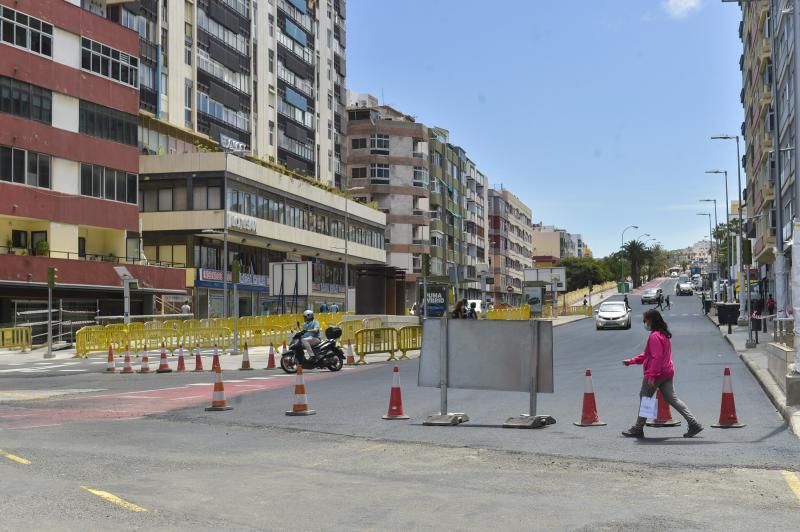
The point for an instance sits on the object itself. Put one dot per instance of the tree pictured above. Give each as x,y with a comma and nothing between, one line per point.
581,271
726,236
637,254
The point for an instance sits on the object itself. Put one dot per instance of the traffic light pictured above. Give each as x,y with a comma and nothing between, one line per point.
426,265
235,270
52,277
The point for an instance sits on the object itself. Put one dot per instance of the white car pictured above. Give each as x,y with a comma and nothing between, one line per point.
614,314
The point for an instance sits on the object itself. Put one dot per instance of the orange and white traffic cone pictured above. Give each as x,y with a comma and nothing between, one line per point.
664,417
111,366
215,361
271,357
218,402
198,360
245,359
351,357
127,368
589,417
395,398
163,367
727,410
181,361
300,406
144,367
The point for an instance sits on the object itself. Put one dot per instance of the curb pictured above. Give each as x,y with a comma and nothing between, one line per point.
790,413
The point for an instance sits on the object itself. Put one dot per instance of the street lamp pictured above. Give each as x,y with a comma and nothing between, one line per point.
346,248
710,232
728,229
716,224
743,319
622,245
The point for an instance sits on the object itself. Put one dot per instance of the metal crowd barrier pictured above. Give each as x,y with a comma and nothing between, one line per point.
16,338
408,338
372,341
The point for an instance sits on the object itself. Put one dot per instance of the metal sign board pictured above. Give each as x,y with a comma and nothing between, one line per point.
555,277
489,355
290,279
534,297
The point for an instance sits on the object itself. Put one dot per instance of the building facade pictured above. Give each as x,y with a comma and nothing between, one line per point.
69,161
511,238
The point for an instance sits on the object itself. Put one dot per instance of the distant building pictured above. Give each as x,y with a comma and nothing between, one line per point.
511,241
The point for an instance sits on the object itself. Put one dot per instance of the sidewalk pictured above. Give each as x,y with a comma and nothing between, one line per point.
756,361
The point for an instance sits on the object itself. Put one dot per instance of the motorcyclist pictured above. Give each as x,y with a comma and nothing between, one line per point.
311,336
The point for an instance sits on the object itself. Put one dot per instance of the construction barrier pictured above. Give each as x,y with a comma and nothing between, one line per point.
515,313
208,337
409,338
377,340
91,339
349,329
258,337
151,339
16,338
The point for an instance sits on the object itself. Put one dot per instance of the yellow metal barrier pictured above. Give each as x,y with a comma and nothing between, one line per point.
515,313
116,327
207,337
371,341
151,340
372,323
349,329
152,325
409,338
261,337
136,326
16,338
90,339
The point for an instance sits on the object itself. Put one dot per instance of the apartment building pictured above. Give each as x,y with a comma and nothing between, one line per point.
511,238
69,160
264,81
546,244
577,244
459,215
386,162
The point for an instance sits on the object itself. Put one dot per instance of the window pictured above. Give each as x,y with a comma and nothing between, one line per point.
165,199
19,239
25,100
21,166
81,246
420,176
358,173
188,92
36,237
358,144
106,183
106,123
24,31
379,174
379,143
109,62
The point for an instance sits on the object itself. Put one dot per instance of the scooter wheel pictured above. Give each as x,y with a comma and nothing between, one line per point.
288,364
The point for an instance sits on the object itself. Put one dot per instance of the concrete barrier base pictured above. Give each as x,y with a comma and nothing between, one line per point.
445,420
525,421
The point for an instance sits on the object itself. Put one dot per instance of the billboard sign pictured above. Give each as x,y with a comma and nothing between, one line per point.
436,302
534,297
555,277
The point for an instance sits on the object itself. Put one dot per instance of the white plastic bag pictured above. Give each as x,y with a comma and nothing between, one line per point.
648,408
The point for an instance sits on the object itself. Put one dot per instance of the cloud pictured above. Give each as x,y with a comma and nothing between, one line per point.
680,8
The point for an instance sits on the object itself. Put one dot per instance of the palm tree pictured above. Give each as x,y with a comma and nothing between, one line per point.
637,254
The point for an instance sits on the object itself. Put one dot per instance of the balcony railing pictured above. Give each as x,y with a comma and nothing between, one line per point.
295,81
94,257
303,20
295,147
296,114
299,50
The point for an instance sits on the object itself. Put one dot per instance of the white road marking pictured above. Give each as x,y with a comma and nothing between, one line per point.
74,370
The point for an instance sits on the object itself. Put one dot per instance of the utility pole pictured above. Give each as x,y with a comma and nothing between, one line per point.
52,277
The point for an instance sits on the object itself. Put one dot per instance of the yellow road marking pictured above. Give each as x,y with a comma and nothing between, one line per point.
110,497
15,458
793,481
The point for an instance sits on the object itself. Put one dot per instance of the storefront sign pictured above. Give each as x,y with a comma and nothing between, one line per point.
436,301
232,145
247,281
241,222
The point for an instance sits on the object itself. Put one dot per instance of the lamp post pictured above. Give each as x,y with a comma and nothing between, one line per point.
346,247
710,232
711,236
622,245
728,231
743,307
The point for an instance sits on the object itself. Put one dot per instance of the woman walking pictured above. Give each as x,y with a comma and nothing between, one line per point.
658,373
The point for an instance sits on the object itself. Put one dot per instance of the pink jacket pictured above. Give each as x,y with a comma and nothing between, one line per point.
657,357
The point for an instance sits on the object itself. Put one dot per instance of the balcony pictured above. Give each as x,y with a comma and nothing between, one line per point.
83,274
296,48
295,81
436,198
302,20
304,118
436,225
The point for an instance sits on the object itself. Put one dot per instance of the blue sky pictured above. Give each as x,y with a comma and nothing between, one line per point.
596,113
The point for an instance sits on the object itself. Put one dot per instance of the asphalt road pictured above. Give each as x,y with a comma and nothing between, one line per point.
147,440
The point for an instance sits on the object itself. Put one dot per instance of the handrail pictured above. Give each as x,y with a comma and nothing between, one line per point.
95,257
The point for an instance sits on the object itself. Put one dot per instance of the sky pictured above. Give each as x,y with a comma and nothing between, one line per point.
596,113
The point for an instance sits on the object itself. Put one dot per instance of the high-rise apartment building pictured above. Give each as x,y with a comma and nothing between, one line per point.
758,129
433,195
511,238
266,81
69,160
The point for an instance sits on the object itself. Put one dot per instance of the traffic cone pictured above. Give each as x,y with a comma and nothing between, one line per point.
111,367
218,402
300,406
589,416
198,360
664,417
215,361
181,361
127,368
271,358
144,367
163,367
351,358
245,359
395,398
727,410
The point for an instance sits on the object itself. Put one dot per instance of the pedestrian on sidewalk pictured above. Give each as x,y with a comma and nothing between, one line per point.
659,372
460,312
771,305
